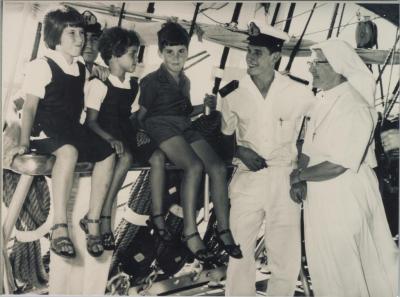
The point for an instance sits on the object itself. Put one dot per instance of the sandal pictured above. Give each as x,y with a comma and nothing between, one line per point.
108,238
91,240
233,250
57,244
201,254
161,233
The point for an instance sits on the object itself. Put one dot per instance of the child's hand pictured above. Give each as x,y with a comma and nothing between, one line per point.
117,146
21,149
101,72
142,138
15,151
210,101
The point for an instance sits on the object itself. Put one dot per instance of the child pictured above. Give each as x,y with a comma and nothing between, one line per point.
109,109
54,101
165,110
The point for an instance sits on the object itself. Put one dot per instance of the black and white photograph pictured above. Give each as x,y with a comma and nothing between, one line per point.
214,148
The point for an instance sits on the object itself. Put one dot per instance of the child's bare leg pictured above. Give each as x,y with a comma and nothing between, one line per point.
101,179
216,169
157,184
183,156
61,180
122,166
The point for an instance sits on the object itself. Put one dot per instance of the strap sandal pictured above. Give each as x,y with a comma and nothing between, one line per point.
232,250
91,240
161,233
201,254
108,238
58,244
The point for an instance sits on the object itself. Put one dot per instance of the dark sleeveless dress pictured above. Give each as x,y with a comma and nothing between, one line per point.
115,111
58,116
114,118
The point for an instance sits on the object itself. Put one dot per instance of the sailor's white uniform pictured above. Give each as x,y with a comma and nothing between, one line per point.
349,247
270,127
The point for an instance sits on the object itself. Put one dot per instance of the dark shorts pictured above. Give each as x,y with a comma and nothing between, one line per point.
90,146
161,128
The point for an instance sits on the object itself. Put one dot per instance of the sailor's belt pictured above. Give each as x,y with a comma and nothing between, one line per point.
271,163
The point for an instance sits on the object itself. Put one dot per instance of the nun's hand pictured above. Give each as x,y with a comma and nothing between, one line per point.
298,192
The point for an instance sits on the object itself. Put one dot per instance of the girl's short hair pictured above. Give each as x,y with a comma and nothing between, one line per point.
55,21
115,42
172,34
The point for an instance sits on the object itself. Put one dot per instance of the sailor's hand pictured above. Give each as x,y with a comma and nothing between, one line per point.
210,101
390,139
250,158
116,145
298,192
101,72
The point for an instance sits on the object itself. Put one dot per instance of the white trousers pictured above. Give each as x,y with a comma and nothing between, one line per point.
256,196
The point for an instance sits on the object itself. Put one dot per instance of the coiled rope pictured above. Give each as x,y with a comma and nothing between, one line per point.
26,257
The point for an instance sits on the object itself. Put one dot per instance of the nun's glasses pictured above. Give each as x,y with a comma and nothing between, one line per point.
315,63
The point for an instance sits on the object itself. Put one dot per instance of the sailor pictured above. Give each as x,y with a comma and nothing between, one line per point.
265,110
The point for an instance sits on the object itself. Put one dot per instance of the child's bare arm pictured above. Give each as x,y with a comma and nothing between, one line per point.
91,122
141,114
28,117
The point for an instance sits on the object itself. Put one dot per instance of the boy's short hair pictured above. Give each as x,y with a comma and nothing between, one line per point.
55,21
172,34
115,42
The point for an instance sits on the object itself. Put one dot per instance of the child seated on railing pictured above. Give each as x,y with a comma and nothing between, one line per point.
54,102
165,110
109,106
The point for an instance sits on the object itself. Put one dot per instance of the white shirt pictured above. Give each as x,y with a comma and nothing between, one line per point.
38,72
341,129
96,91
268,126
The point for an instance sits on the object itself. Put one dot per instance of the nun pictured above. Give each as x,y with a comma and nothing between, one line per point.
349,248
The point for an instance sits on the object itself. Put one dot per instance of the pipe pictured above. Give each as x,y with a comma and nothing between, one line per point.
121,14
150,9
196,12
287,27
333,20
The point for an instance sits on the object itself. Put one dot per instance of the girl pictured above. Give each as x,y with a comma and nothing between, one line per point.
54,102
108,114
165,113
109,108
